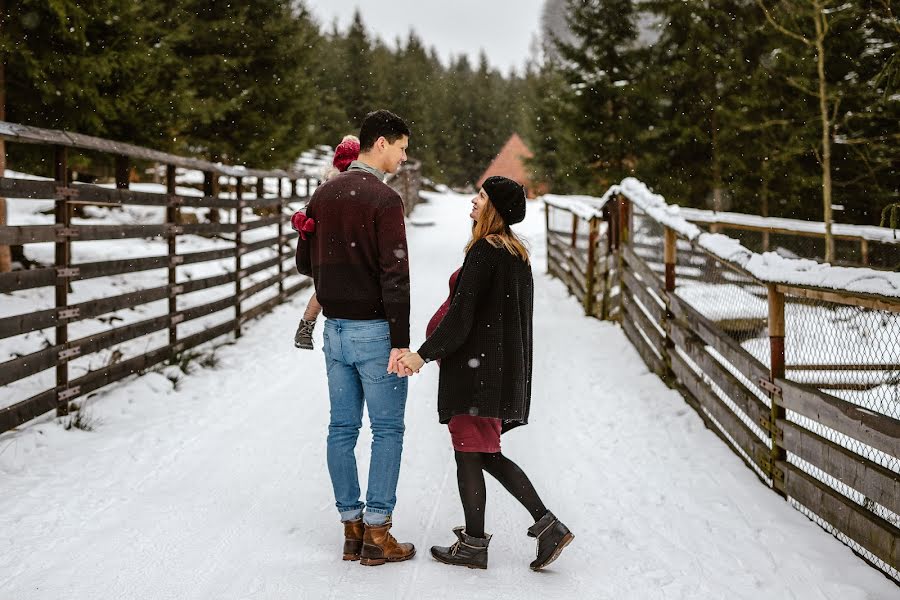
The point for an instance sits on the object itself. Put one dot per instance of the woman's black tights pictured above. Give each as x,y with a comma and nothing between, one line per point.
470,467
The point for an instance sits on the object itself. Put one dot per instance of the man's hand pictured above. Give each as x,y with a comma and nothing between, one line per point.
411,361
394,365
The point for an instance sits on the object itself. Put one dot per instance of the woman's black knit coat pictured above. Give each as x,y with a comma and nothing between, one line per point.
485,340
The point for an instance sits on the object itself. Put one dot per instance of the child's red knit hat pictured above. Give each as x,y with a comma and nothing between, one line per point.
345,153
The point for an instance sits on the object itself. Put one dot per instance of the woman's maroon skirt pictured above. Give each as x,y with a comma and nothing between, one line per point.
475,434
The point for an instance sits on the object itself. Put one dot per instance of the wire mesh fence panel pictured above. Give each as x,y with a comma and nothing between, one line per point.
885,256
849,351
852,353
878,563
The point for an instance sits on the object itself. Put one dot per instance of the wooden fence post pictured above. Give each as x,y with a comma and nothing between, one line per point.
574,229
238,251
607,261
211,188
776,371
623,237
261,190
670,258
296,192
122,174
547,209
864,251
5,251
281,240
670,248
590,276
172,237
63,252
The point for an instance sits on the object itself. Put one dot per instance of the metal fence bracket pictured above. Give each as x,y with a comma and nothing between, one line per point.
768,386
68,313
66,232
65,193
68,393
69,353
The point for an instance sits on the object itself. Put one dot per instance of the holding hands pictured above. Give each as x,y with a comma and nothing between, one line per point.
412,361
404,363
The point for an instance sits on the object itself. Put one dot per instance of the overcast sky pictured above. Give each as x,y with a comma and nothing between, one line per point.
504,28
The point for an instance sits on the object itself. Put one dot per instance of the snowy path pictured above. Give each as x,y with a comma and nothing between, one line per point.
219,490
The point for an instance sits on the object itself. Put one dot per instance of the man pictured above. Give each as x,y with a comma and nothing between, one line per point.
358,260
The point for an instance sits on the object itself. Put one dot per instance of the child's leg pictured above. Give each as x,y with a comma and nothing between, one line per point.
313,308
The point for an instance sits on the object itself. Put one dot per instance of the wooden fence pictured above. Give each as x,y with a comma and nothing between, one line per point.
246,277
407,183
837,461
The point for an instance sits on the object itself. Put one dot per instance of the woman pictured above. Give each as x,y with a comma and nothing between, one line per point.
482,335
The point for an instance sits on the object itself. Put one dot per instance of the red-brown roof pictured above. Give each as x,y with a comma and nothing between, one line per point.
510,162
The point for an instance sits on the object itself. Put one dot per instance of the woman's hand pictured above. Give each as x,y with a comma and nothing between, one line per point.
412,361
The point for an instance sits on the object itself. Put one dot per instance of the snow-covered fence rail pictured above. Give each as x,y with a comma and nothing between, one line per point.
855,245
67,310
795,365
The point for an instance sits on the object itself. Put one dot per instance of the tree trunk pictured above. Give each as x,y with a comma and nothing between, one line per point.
716,161
819,17
764,201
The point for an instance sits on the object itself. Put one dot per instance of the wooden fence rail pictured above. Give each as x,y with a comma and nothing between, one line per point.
836,460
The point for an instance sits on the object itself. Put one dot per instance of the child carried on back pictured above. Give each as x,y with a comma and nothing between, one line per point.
345,153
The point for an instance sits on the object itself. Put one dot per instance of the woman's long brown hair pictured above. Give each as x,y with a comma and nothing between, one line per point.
490,226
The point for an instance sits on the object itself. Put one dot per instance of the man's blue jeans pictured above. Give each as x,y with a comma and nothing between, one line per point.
356,357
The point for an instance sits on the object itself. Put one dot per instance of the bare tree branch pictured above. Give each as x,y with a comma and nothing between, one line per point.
868,141
781,28
765,125
894,21
792,81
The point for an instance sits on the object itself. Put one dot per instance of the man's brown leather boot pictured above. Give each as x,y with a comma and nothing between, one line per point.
379,546
353,539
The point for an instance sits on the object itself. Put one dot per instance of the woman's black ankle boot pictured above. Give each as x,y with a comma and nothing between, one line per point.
468,551
552,536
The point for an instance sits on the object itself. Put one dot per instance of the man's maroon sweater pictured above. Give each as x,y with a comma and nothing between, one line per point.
357,256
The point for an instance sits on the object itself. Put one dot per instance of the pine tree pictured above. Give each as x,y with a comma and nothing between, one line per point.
547,133
864,68
98,67
413,79
250,95
697,78
600,68
355,84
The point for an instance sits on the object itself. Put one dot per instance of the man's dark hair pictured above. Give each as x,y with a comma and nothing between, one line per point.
381,123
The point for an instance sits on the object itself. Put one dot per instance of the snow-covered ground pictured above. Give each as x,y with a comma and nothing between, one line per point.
219,488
